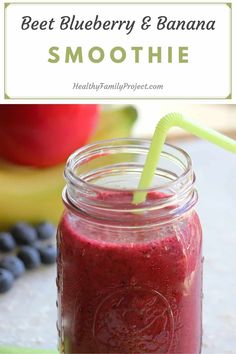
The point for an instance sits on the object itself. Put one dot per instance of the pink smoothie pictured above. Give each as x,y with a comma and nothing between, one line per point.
117,296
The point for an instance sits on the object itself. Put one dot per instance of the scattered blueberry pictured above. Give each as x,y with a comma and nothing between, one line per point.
45,230
48,254
6,280
30,257
24,234
13,265
7,242
31,254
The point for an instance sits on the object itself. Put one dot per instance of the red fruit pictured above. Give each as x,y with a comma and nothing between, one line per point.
44,135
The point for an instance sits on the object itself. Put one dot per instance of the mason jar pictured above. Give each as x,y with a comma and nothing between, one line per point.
129,276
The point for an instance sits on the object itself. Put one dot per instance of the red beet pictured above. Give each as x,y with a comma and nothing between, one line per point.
44,135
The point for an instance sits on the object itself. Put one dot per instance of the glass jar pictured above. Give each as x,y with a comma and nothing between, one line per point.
129,276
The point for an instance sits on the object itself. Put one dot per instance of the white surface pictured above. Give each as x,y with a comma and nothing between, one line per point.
28,312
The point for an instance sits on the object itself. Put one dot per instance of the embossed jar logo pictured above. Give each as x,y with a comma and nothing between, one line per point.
134,319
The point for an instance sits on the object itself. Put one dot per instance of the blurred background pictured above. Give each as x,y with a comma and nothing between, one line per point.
220,117
35,141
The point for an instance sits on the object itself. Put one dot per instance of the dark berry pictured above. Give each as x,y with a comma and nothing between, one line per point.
13,265
6,280
30,257
48,254
7,242
45,230
24,234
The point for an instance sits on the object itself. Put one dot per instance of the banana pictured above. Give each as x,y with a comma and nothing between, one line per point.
115,123
30,194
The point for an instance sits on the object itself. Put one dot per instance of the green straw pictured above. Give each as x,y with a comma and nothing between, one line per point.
159,137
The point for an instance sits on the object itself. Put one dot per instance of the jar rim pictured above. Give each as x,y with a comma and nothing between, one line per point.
75,179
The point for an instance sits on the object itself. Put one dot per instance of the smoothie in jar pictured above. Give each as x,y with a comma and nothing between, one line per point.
129,281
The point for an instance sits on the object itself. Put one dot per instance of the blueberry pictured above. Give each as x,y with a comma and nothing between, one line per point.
45,230
48,254
7,242
6,280
24,234
13,265
29,256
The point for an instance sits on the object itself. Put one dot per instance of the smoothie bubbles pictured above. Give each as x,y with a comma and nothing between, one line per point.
130,266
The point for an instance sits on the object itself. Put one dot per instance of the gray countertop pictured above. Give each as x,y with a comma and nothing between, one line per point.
28,312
